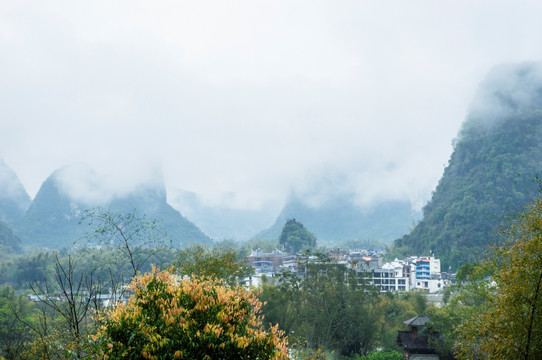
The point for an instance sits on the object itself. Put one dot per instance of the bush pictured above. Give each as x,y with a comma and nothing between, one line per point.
172,318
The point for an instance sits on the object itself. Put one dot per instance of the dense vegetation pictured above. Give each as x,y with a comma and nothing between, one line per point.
331,309
9,242
295,238
192,318
496,310
490,177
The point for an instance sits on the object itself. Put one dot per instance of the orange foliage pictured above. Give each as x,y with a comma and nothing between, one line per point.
168,318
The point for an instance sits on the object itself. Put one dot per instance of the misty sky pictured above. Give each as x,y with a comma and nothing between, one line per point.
244,102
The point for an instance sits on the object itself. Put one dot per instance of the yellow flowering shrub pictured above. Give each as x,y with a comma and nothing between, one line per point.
172,318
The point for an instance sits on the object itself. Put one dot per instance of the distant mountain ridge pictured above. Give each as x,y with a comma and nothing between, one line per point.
340,219
491,173
53,218
14,200
222,222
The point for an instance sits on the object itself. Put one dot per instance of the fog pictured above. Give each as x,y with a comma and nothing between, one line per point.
244,103
507,88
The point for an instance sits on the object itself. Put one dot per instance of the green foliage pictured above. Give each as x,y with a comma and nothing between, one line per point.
509,324
213,263
9,242
296,238
16,313
489,176
394,308
329,308
34,267
169,318
382,355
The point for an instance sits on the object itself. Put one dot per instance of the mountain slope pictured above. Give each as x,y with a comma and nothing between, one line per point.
491,171
340,219
14,199
53,219
9,243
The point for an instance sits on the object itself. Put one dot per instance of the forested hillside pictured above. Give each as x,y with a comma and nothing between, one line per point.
492,172
9,243
54,217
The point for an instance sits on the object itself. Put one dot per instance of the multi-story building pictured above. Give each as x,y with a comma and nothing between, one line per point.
394,276
427,274
269,262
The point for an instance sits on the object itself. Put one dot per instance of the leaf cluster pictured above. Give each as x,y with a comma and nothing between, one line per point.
193,318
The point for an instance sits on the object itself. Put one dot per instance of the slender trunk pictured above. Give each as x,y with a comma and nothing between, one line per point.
531,322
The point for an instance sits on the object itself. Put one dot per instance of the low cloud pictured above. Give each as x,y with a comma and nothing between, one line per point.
247,103
507,89
81,183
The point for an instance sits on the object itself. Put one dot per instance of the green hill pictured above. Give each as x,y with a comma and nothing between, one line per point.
491,173
340,219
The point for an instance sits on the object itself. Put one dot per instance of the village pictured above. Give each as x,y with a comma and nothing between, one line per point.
422,273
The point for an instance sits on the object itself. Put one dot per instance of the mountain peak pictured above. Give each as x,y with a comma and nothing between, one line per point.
492,170
53,219
14,199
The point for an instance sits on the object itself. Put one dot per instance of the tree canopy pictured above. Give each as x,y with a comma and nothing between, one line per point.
191,318
509,325
213,263
295,238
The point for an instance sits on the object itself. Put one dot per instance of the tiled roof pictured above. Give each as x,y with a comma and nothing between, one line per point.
417,321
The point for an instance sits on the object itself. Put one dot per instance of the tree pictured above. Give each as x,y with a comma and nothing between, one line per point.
509,325
168,318
70,298
329,307
134,238
296,238
15,312
213,263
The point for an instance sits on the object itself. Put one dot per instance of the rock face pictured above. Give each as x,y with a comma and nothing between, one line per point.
340,219
53,219
492,171
14,200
